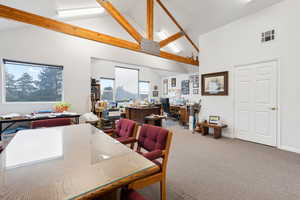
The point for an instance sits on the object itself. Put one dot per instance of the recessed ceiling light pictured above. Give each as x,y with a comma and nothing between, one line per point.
80,12
164,35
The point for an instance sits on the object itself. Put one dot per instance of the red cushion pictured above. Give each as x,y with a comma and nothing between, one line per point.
126,140
153,155
152,137
131,195
125,128
51,122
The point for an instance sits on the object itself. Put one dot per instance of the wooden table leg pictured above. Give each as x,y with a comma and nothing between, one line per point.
205,131
217,133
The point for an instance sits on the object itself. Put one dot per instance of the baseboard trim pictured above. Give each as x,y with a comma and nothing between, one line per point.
291,149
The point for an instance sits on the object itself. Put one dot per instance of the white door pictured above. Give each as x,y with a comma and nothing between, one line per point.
256,103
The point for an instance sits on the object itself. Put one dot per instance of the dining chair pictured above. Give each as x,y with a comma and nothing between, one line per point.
125,131
131,195
156,142
51,123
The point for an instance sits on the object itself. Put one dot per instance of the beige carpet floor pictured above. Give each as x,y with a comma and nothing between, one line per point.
202,168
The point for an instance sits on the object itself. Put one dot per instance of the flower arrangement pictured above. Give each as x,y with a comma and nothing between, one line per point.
61,107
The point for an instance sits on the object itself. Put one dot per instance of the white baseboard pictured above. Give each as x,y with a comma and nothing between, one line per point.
291,149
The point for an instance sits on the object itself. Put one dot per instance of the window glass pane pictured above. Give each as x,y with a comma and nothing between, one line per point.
127,81
107,89
144,90
26,82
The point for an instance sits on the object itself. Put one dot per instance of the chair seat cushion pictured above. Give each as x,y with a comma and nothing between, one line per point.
153,155
126,140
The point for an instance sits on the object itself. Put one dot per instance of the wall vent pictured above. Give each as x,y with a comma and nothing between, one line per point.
268,36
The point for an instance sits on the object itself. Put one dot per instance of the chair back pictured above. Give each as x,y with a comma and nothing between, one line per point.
152,138
125,128
51,123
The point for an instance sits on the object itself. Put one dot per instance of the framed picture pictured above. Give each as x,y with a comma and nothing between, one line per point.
155,93
214,84
173,82
185,87
195,91
165,86
195,81
214,119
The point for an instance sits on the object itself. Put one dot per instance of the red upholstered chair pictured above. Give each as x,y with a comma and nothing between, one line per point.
156,141
131,195
51,122
125,131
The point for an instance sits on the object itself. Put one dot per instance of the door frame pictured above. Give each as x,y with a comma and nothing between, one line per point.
278,81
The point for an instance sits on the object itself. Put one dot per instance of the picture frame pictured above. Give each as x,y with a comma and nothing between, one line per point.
173,82
155,94
214,84
195,81
165,87
185,87
195,91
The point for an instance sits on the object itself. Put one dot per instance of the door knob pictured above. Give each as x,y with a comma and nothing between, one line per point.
273,108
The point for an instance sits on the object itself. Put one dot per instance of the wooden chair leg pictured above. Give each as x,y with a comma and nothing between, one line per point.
163,189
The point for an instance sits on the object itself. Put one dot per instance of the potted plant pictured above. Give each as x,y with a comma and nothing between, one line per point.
61,107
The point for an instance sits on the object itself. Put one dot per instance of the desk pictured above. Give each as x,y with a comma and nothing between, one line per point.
154,120
217,129
27,119
139,113
70,162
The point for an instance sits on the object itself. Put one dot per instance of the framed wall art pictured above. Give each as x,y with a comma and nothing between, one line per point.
214,84
155,94
165,87
195,81
173,82
185,87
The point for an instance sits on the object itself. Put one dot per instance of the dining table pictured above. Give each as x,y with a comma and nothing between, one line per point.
68,162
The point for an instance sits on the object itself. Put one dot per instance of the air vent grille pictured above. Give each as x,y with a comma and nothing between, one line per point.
268,36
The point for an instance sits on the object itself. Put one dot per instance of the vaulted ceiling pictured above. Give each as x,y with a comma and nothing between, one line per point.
195,16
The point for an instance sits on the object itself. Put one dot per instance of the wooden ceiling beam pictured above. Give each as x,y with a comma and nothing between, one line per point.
150,19
171,39
177,24
29,18
120,19
177,58
54,25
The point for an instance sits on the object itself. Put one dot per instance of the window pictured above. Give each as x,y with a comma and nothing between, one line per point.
144,87
107,89
127,81
30,82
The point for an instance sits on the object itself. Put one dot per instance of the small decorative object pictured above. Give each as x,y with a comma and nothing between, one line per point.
61,107
165,87
214,84
185,87
173,82
155,87
214,119
155,93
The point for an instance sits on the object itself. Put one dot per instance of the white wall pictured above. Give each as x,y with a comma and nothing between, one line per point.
239,43
106,69
38,45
